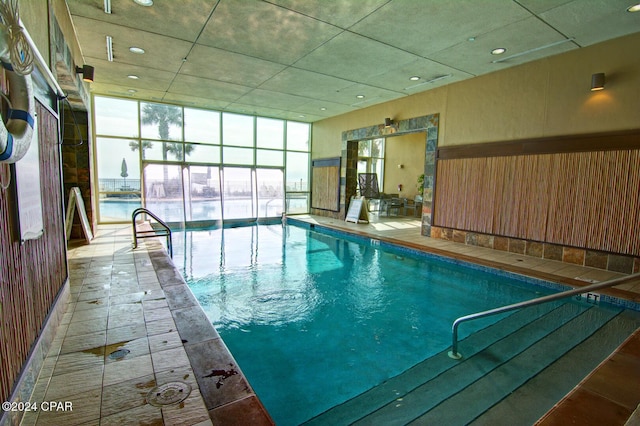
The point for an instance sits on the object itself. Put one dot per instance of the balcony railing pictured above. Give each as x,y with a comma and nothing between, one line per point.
119,185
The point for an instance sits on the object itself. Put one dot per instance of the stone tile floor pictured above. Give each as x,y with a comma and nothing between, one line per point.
119,303
117,307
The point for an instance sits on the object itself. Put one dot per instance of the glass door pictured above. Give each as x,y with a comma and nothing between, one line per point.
164,191
203,201
270,184
180,193
238,189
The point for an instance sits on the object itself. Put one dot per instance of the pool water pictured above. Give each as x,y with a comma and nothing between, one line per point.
314,320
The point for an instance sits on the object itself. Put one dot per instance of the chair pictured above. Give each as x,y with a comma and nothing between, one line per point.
415,205
395,203
368,184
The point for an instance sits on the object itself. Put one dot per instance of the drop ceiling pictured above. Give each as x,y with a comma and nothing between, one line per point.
308,60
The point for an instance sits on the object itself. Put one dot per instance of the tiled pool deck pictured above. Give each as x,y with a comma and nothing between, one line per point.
135,300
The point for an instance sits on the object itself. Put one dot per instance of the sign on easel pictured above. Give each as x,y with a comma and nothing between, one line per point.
75,200
357,211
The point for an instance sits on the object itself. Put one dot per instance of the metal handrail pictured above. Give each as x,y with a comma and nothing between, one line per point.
154,232
453,353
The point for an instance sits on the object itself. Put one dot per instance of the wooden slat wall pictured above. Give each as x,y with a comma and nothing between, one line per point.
31,274
326,184
582,199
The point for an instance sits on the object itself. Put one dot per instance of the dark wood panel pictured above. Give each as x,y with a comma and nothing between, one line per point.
621,140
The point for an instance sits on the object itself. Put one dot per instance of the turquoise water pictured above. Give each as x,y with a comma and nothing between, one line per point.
314,320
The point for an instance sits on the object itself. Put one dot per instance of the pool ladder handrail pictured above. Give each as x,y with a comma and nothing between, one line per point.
164,232
453,353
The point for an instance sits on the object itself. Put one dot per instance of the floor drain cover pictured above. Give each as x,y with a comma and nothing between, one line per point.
169,393
119,354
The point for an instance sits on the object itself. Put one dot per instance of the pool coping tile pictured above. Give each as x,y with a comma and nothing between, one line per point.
220,381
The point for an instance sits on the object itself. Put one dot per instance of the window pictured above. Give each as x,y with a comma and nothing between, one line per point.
193,164
201,126
270,133
237,130
118,170
298,136
160,121
117,117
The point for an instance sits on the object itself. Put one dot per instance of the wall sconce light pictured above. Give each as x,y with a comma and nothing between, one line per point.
597,81
388,122
399,187
87,72
400,166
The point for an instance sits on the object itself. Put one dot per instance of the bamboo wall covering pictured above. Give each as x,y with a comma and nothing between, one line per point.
31,274
326,184
589,200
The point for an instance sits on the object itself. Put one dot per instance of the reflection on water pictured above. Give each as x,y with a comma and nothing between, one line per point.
314,320
119,210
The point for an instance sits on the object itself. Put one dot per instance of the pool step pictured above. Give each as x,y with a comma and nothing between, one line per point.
395,387
499,382
524,344
559,378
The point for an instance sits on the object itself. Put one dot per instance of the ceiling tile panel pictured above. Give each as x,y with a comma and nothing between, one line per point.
116,73
292,116
475,56
306,83
276,100
195,101
353,57
177,19
222,65
118,90
263,30
202,87
161,52
241,108
372,95
539,6
593,21
397,79
341,13
425,27
324,109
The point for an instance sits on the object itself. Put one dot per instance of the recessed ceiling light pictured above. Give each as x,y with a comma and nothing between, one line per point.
133,77
498,51
138,50
323,109
471,39
144,2
414,78
634,8
360,96
132,91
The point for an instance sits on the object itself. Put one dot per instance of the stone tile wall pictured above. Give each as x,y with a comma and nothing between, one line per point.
573,255
349,170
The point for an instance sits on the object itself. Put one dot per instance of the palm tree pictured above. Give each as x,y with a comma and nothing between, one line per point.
164,116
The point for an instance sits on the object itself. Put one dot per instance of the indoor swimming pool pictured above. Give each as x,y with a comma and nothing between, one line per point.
330,329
